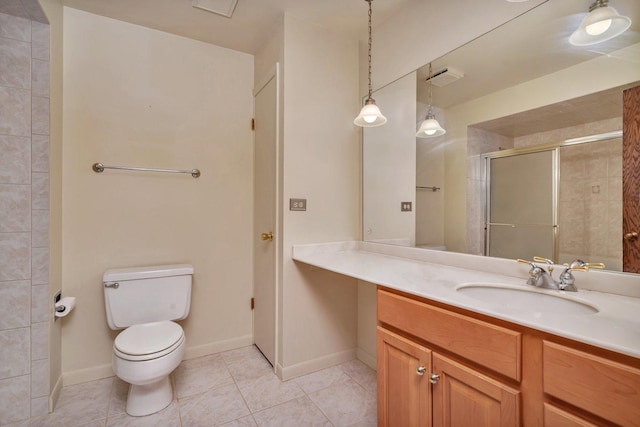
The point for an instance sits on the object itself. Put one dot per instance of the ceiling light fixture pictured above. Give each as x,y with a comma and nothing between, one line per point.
601,24
430,127
370,114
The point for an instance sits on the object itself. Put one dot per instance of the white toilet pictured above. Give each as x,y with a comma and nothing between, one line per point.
144,301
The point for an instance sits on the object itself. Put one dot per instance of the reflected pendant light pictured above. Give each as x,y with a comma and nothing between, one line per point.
370,114
601,24
430,127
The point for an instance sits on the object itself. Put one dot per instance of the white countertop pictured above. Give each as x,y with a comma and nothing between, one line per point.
616,325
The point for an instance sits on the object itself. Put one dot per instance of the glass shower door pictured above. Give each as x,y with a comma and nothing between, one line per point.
521,208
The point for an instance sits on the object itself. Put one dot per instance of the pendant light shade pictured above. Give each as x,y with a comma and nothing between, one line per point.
430,127
370,115
601,24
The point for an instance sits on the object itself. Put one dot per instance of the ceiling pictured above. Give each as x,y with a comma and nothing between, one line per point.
252,21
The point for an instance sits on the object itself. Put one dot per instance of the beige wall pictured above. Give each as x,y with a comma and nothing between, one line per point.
320,163
139,97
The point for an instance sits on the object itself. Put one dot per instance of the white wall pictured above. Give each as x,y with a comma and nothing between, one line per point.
139,97
321,162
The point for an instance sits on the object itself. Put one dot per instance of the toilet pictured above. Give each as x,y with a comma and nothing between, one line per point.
144,302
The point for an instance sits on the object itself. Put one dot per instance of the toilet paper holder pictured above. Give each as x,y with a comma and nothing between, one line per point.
62,306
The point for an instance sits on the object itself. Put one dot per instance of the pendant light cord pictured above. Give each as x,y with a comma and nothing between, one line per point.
370,91
430,89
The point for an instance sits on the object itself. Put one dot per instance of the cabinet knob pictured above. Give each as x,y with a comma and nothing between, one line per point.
420,370
434,378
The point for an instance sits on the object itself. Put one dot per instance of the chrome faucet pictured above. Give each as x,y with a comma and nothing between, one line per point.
541,278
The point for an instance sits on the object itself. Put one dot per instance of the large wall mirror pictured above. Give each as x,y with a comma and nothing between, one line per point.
531,162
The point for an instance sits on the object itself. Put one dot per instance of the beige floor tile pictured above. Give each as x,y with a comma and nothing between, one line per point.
212,408
267,391
199,375
82,404
247,421
321,379
361,373
246,363
345,404
294,413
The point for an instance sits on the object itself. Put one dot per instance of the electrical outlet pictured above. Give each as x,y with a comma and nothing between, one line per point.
297,204
405,206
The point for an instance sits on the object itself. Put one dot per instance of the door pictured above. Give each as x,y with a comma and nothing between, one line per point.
631,180
463,397
404,391
264,216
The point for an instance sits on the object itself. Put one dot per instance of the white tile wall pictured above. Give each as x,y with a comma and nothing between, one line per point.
25,309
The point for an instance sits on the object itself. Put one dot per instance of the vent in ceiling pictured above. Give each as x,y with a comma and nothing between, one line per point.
220,7
445,76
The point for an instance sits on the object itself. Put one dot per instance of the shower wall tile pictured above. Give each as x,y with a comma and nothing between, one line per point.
40,41
40,406
39,78
35,11
39,303
15,298
15,28
15,63
39,341
15,208
40,191
40,378
40,266
14,353
40,115
14,398
40,229
15,160
15,111
14,8
15,256
40,153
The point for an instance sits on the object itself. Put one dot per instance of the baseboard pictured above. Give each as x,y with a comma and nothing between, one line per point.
217,347
55,394
88,374
310,366
104,371
367,358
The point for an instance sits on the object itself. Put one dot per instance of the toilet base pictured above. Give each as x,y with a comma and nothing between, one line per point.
149,398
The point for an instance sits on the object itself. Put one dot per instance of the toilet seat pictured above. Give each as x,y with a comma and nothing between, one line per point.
148,341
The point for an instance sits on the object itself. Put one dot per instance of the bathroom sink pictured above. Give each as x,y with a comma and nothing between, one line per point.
526,300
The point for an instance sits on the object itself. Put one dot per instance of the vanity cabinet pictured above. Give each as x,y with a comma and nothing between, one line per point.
444,366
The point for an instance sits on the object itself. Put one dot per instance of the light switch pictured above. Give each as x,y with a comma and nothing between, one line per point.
405,206
297,204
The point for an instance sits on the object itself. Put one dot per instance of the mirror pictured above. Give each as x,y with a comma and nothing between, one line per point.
522,86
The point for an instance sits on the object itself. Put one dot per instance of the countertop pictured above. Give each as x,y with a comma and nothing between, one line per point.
616,325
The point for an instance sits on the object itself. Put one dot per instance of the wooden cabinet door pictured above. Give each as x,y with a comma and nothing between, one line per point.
464,397
404,391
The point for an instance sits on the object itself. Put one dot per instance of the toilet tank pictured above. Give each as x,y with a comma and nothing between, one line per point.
147,294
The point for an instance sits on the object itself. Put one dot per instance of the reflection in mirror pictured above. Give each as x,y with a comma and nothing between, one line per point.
522,86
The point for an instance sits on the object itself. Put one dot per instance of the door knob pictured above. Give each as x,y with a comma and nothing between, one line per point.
632,237
267,236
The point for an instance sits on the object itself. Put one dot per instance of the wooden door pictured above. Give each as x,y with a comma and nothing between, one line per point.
404,391
264,217
466,398
631,180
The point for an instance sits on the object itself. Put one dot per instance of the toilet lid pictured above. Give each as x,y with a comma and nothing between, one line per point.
148,338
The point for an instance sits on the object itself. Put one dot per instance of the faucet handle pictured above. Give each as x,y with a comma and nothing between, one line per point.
546,261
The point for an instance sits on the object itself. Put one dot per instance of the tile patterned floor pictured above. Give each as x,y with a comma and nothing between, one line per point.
233,389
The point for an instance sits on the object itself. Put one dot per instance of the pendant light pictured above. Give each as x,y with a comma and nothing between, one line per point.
601,24
430,127
370,115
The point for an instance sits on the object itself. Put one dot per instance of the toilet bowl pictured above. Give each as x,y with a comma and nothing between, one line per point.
144,302
144,356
